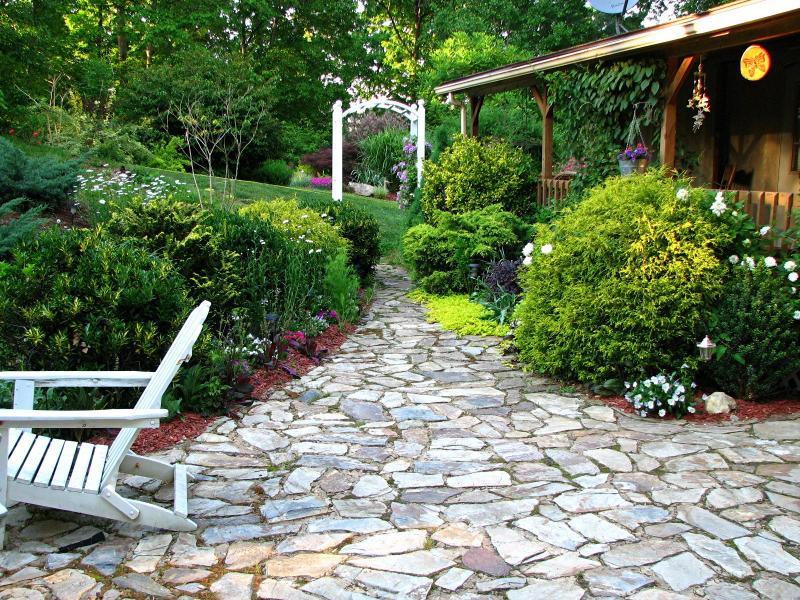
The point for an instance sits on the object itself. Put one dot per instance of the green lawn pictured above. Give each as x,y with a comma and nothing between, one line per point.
391,219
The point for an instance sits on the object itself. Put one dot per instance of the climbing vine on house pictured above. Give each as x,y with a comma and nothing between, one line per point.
593,108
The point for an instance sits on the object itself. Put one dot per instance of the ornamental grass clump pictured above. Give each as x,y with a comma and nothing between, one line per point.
622,281
662,395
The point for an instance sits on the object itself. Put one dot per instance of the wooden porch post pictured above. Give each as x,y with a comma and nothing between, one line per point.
677,71
540,94
476,103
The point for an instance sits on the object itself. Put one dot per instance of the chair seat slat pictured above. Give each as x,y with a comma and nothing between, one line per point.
49,462
64,466
95,473
13,436
20,453
81,466
34,459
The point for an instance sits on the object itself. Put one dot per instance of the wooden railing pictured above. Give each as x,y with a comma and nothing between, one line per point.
550,191
767,208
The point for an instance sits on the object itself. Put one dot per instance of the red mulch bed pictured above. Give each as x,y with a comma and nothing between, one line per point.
190,425
263,380
746,410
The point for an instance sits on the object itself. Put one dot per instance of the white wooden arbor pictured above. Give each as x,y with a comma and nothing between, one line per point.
415,113
37,469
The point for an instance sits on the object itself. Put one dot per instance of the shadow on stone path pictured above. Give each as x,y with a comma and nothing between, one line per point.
415,464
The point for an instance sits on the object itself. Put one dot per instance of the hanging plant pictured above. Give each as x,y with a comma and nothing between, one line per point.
699,99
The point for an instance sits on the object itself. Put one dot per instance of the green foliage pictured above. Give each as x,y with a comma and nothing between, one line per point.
19,228
631,274
467,53
40,180
357,226
185,234
452,241
167,155
472,174
297,223
85,300
457,313
499,302
379,152
597,106
274,171
341,288
755,332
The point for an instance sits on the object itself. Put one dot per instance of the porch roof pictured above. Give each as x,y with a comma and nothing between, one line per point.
735,24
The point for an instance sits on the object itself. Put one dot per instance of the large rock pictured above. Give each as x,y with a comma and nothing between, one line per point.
719,403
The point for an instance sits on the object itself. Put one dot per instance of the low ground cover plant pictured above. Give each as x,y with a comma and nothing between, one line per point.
456,312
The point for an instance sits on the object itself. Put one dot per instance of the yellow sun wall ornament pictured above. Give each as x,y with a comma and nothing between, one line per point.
755,63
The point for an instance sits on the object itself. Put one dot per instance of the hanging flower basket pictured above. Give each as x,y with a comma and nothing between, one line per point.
633,160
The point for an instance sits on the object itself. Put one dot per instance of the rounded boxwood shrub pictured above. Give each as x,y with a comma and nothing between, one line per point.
274,171
622,281
86,300
472,174
755,332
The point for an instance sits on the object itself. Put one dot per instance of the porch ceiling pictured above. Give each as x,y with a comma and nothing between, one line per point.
730,25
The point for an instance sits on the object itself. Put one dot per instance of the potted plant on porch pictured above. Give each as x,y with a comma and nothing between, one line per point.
634,159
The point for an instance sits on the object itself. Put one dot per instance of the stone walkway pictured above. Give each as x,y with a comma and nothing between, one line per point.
415,464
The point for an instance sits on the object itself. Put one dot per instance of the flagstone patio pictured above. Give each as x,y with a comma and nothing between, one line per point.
415,464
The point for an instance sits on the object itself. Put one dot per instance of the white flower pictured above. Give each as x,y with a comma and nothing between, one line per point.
764,230
682,194
793,277
719,206
796,315
690,409
733,259
665,387
527,261
662,412
285,221
547,248
746,242
528,249
790,265
751,264
770,261
794,290
303,216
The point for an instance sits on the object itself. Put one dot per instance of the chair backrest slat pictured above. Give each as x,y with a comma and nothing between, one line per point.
179,352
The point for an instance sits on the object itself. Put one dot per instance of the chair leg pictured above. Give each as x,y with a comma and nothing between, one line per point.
4,433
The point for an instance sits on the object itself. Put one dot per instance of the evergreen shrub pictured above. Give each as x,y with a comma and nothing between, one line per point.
439,252
472,174
274,171
756,333
41,180
631,273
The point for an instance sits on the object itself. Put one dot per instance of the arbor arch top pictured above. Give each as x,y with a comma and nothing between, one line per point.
405,110
415,113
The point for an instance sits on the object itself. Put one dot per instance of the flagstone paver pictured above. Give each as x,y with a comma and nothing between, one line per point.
414,464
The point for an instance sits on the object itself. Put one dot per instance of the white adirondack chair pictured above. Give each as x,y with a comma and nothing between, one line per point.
35,469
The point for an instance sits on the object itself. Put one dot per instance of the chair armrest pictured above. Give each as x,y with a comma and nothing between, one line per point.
80,378
140,418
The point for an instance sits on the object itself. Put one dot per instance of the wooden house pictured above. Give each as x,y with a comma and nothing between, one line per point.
750,141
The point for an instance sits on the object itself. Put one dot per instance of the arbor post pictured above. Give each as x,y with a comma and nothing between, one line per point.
420,139
336,153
